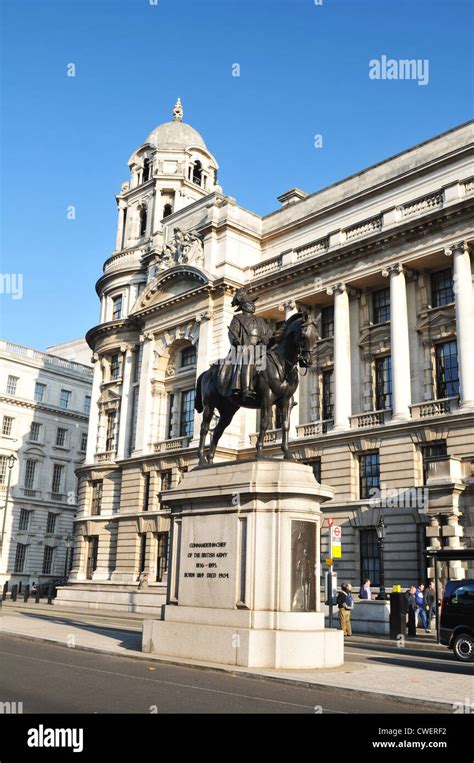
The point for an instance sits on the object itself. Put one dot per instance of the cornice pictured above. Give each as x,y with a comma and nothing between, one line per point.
44,407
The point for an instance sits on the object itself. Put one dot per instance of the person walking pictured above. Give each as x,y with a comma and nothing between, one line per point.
411,610
420,606
365,592
430,603
345,603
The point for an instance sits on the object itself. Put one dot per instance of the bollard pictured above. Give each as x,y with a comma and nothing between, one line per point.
14,592
5,591
411,622
37,596
26,595
50,595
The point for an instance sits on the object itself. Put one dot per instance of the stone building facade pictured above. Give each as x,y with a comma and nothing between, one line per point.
382,260
44,410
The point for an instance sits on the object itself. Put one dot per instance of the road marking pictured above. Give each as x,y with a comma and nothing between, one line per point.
172,683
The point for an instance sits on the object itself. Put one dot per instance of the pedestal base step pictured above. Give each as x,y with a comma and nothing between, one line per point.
245,647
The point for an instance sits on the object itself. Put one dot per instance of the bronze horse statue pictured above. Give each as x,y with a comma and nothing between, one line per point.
275,384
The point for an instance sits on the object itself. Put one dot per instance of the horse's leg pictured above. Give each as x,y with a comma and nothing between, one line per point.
265,416
227,411
285,408
205,424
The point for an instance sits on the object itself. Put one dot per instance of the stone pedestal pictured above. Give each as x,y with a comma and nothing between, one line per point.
244,569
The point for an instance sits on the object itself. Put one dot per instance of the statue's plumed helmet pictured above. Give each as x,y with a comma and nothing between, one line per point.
241,296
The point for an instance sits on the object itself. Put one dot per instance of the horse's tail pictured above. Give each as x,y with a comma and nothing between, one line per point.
198,399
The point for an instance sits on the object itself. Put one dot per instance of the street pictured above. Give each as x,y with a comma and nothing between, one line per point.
56,679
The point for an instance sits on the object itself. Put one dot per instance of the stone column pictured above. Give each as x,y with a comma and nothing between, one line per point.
399,338
94,412
289,309
121,219
143,433
462,287
125,405
342,357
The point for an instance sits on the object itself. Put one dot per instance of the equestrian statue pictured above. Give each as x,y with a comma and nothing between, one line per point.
260,371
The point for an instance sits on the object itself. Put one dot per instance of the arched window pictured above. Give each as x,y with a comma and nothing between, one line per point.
167,210
146,170
197,172
143,220
188,357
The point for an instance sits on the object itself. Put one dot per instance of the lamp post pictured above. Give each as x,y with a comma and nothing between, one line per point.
380,528
68,544
10,463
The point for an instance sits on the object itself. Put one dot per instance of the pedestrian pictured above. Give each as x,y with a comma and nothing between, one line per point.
143,581
411,610
420,606
365,592
345,603
430,603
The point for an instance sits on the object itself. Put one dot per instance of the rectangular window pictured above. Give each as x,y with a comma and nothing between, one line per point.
186,419
167,479
12,382
61,437
381,305
3,469
327,322
170,415
116,366
117,303
92,556
142,557
315,463
383,383
369,557
20,557
110,431
146,491
369,474
24,521
96,504
83,445
442,288
87,404
56,483
188,357
162,556
30,469
40,389
48,560
64,398
35,431
328,395
51,523
447,375
7,425
434,451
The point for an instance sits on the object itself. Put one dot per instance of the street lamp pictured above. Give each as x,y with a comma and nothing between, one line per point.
380,528
68,543
10,463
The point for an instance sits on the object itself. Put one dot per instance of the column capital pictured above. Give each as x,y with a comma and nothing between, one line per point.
289,304
206,315
396,268
458,247
337,288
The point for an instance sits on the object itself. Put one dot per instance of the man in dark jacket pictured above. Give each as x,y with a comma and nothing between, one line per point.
345,602
411,610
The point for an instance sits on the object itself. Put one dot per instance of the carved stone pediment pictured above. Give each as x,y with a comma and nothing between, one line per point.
109,399
325,350
440,320
181,249
174,282
375,337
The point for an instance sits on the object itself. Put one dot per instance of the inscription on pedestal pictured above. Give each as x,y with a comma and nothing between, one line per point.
207,561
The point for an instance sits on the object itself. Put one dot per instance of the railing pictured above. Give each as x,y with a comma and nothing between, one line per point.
175,443
370,419
44,357
30,493
361,229
434,407
271,437
314,428
58,497
427,203
267,267
127,258
316,247
107,456
446,469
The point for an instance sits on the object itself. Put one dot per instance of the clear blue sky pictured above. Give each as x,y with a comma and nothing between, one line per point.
304,70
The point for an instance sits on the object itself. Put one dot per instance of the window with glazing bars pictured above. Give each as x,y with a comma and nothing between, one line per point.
39,392
24,520
35,431
20,556
7,425
117,303
110,431
58,470
328,395
327,322
369,557
447,374
115,367
431,452
186,419
369,474
442,288
48,560
383,383
96,503
12,382
162,556
61,437
30,468
64,398
188,357
381,305
51,522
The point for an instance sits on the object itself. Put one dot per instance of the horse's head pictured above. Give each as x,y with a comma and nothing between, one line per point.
308,336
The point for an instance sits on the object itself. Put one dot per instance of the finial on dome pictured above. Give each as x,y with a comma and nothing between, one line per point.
178,111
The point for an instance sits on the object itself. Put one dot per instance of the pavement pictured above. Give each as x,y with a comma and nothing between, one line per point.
420,674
